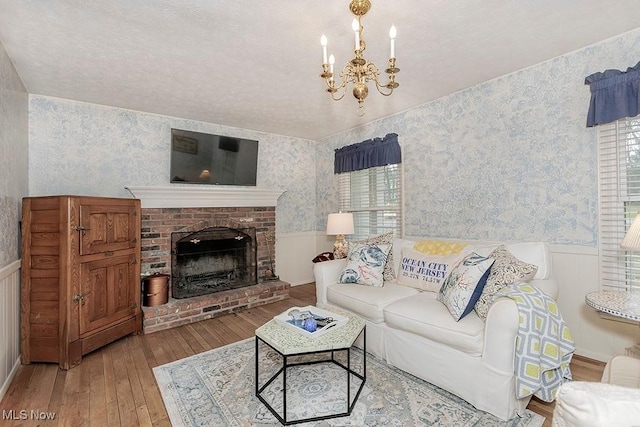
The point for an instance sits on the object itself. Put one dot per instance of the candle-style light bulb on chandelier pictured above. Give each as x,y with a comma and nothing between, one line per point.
359,71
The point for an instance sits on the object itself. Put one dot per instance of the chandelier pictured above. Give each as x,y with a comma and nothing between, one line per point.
359,71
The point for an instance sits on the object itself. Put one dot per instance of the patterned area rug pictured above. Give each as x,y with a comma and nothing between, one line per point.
216,388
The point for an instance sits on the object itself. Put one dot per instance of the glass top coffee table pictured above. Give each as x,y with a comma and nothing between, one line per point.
297,356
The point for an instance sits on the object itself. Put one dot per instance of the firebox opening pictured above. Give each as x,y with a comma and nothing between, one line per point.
211,260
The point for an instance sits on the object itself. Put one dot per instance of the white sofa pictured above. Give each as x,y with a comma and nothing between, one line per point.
415,332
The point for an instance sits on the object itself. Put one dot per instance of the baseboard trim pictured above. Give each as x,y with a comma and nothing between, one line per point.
7,382
592,355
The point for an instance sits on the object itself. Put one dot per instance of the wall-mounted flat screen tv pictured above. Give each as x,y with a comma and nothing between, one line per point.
202,158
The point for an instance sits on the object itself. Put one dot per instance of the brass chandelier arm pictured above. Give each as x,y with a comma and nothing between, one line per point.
373,74
365,73
331,84
379,86
333,90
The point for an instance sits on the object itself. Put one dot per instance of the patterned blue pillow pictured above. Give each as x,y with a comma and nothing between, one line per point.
365,264
463,286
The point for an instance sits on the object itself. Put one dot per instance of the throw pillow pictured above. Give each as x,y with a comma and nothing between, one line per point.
423,271
463,286
383,239
396,250
439,247
506,270
365,264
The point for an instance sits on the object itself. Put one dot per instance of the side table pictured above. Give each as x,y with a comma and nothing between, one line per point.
623,304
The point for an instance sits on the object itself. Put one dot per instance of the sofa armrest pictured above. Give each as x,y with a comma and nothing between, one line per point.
325,274
501,328
548,286
623,371
580,403
500,333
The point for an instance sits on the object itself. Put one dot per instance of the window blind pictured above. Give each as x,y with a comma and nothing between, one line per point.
374,196
619,185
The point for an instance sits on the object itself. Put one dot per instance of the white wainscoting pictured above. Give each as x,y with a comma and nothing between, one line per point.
294,252
9,324
576,269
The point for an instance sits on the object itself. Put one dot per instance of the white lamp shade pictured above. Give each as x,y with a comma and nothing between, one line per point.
632,238
340,223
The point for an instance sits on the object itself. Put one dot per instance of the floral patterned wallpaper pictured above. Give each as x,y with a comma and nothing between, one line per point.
508,159
88,149
14,176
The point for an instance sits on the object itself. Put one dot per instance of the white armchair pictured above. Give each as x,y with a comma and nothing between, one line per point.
614,402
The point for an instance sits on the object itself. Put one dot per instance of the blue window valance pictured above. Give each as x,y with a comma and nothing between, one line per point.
614,94
368,154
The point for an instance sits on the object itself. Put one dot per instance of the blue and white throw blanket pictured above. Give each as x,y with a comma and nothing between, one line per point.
544,345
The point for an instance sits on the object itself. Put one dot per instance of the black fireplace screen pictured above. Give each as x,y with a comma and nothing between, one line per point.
211,260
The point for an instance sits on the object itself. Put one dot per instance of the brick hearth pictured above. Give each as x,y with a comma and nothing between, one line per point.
179,312
157,226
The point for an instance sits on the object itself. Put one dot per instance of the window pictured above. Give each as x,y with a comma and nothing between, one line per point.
374,196
619,181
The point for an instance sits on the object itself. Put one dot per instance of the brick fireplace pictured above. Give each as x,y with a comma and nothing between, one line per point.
161,218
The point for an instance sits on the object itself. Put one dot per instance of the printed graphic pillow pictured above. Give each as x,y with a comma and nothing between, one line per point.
424,271
383,239
463,286
365,264
506,270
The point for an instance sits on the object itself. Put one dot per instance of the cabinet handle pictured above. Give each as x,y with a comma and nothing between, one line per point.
133,306
81,228
80,297
108,254
134,261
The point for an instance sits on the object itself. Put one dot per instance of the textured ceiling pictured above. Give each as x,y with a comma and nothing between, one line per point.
256,64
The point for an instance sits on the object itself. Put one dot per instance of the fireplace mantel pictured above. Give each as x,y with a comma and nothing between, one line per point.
182,196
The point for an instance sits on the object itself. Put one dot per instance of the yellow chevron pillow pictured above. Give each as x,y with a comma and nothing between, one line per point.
439,247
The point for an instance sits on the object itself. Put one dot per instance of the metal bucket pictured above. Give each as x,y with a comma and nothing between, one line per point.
155,290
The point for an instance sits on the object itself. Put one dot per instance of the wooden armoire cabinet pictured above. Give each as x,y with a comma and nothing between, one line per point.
80,276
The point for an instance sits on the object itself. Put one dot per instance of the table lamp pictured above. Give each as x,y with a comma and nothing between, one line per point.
339,224
631,240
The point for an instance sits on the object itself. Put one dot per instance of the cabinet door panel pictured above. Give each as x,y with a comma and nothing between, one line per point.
107,228
108,289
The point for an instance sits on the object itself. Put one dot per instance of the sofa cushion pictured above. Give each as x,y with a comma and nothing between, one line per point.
463,286
424,315
424,271
367,301
383,239
365,264
505,271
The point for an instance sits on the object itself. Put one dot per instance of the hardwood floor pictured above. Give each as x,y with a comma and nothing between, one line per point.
115,386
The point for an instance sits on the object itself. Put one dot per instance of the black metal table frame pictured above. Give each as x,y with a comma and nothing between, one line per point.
285,365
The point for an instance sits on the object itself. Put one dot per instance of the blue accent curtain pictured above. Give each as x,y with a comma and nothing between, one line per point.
614,94
368,154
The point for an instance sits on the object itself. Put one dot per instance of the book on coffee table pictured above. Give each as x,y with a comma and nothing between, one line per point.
325,320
